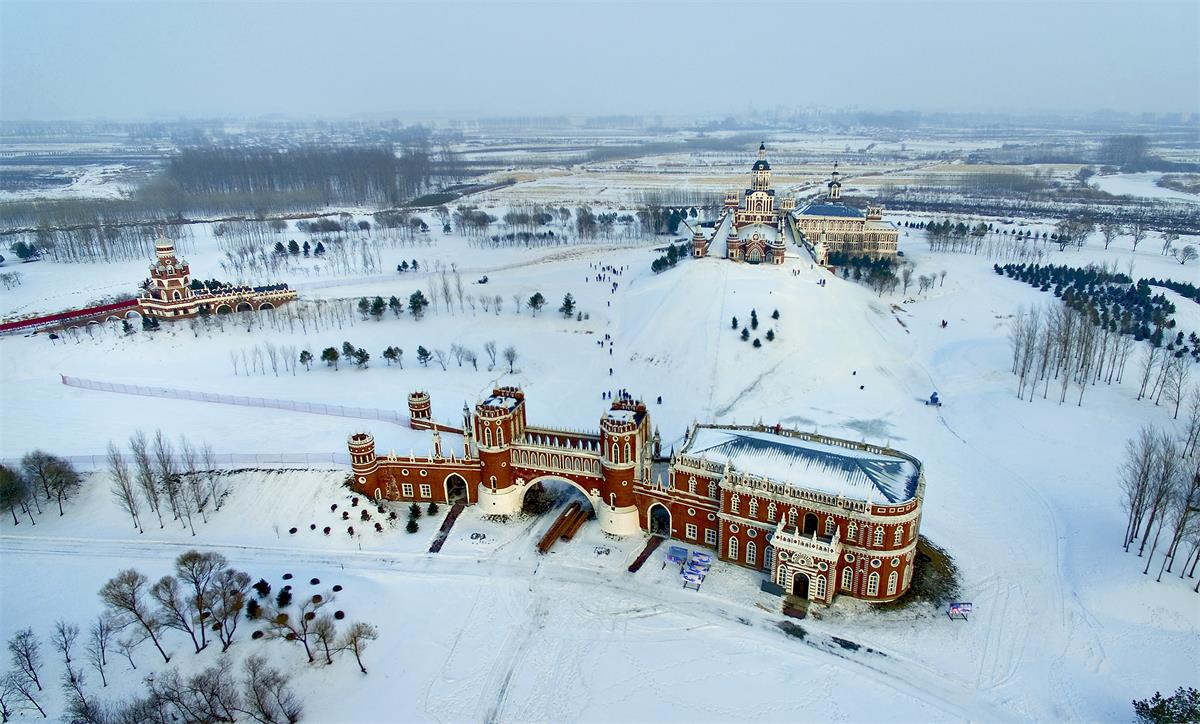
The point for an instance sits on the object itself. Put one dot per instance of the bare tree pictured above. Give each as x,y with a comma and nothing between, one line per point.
1137,470
1163,485
490,348
440,357
63,639
469,355
906,275
498,302
25,653
170,480
210,695
143,467
228,599
1110,232
1138,234
173,609
282,625
510,356
99,640
325,632
1184,504
1192,428
125,596
1175,384
356,638
516,303
457,352
266,696
193,484
217,488
1168,239
18,687
122,484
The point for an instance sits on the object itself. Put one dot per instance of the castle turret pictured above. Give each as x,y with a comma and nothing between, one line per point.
498,421
622,449
699,242
760,172
731,200
363,462
170,277
420,410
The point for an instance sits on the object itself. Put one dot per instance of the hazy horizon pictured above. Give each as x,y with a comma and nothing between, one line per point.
137,60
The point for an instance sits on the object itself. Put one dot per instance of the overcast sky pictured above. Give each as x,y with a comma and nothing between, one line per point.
171,58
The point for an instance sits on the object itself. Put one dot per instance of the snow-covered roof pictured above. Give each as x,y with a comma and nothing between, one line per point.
717,247
764,231
508,403
830,209
621,415
808,464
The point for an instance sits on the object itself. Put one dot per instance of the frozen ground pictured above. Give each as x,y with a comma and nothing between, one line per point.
1140,184
1023,496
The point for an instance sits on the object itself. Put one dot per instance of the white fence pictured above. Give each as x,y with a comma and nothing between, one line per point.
361,413
224,460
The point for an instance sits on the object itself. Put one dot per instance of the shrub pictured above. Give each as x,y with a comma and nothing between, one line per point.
262,588
412,525
284,598
379,527
312,526
326,530
337,588
314,581
252,609
317,598
292,531
256,635
287,576
432,509
339,615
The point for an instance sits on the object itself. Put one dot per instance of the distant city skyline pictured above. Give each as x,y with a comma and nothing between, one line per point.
180,59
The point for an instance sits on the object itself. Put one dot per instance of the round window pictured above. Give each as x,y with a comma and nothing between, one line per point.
404,472
712,516
361,479
734,529
895,562
691,511
424,473
849,557
822,566
875,563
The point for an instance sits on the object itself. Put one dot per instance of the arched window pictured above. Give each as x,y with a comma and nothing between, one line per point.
879,535
769,558
616,452
907,576
771,510
829,524
753,507
734,504
873,584
892,578
493,482
821,585
628,456
852,531
499,435
792,516
733,551
692,486
487,437
751,553
847,579
899,535
712,490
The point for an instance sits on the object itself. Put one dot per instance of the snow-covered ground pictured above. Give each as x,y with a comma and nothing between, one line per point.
1024,496
1140,184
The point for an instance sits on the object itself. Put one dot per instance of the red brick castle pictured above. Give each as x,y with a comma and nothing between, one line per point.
817,515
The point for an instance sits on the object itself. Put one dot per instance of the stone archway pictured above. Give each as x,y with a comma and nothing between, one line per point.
265,305
658,520
456,489
592,500
800,585
245,307
223,309
810,523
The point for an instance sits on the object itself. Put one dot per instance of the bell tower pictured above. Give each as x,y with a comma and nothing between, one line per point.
170,277
835,184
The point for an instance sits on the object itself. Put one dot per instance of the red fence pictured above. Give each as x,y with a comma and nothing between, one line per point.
67,316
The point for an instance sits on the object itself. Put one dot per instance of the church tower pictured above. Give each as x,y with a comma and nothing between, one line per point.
761,171
835,184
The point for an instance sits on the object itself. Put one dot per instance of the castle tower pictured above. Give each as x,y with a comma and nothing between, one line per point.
787,204
363,462
731,200
835,184
420,411
170,277
497,422
622,452
761,171
733,245
699,243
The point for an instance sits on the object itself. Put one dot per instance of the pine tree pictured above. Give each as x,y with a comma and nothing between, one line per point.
330,357
307,249
347,350
306,359
361,356
377,308
568,305
536,302
414,511
423,356
757,344
412,526
745,334
770,335
395,305
320,250
293,248
775,314
734,323
417,303
279,249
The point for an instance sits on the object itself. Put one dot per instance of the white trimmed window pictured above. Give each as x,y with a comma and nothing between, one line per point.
753,508
821,585
734,503
873,584
892,578
733,548
852,531
692,486
406,490
426,491
829,523
847,579
712,490
899,537
710,536
690,531
751,553
879,535
771,511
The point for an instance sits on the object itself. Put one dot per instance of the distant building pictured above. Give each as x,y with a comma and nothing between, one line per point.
818,516
754,229
170,292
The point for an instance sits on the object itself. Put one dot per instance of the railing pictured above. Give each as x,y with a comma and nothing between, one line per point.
360,413
222,460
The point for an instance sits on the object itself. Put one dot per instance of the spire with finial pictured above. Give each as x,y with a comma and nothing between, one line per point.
762,150
835,184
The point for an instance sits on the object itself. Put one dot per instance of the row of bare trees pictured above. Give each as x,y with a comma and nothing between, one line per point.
157,478
1065,347
1160,494
41,477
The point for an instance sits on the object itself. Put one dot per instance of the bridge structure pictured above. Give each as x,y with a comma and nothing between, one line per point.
115,312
